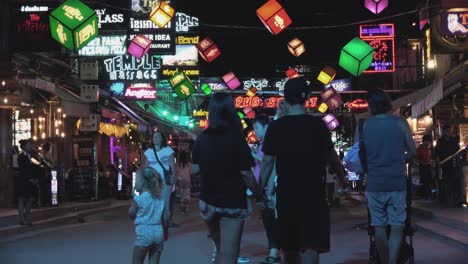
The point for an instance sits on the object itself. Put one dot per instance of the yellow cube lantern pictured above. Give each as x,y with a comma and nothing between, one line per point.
252,91
323,108
161,14
296,47
327,75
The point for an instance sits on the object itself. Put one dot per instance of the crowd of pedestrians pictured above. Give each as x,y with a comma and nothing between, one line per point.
293,185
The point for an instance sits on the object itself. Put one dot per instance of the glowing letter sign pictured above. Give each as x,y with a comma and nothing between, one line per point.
454,23
105,46
73,24
272,102
129,68
381,38
358,105
140,91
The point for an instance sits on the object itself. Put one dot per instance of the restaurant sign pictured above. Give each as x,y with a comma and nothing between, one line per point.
111,45
340,85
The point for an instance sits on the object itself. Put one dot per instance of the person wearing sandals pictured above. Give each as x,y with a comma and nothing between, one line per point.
223,159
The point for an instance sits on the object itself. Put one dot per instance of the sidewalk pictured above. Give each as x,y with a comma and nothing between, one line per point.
449,225
67,213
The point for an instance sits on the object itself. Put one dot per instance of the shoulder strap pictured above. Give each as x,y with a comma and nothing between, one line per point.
361,127
157,158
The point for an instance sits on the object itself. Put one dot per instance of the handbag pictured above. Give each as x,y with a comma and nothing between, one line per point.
167,173
356,158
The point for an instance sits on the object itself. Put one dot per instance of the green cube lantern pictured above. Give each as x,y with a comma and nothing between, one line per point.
73,24
206,89
182,85
356,56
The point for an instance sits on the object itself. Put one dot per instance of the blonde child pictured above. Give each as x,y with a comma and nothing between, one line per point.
147,211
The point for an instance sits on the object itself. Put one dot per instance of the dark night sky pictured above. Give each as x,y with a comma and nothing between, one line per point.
254,52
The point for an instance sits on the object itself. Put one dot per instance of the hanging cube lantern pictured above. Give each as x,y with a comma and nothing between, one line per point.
331,98
161,14
182,85
323,108
241,115
252,91
274,17
244,124
73,24
208,50
326,75
331,121
139,46
249,112
231,80
206,89
356,56
296,47
376,6
292,73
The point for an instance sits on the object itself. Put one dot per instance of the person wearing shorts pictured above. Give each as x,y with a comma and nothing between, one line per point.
386,178
302,208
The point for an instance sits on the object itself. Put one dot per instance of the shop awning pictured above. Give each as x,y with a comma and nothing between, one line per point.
124,108
72,104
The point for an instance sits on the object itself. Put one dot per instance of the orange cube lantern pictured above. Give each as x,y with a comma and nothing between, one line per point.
274,17
296,47
252,91
208,49
161,14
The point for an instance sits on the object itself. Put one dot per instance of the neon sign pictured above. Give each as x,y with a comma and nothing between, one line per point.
129,68
140,91
454,23
384,55
272,102
375,31
185,22
260,84
381,38
358,105
105,46
340,85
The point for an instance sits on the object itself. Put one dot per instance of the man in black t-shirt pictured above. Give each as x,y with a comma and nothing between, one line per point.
303,212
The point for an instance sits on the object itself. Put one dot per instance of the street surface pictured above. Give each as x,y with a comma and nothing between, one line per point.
108,238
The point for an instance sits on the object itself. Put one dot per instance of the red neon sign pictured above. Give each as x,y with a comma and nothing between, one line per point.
358,105
272,102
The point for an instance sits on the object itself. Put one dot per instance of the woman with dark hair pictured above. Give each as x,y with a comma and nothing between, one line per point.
388,146
223,159
158,155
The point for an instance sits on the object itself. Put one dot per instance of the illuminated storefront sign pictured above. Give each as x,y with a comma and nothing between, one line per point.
200,113
384,55
140,91
111,45
215,83
110,19
185,59
272,102
162,39
30,24
185,22
260,84
128,68
358,105
340,85
454,23
142,7
186,40
379,30
381,38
